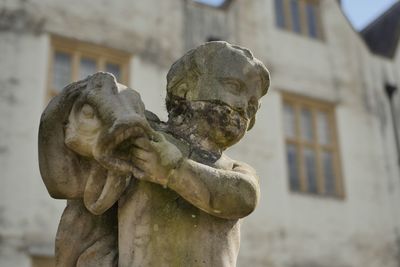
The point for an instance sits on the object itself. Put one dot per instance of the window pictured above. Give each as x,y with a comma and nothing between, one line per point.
300,16
311,146
72,60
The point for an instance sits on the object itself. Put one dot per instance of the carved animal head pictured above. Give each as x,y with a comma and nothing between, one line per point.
85,137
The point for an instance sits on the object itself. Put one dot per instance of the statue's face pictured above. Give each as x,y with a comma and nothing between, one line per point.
231,78
233,81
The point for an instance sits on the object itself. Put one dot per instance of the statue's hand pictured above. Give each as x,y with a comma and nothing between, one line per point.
157,158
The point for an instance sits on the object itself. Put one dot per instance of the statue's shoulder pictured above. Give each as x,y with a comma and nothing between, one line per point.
225,163
236,165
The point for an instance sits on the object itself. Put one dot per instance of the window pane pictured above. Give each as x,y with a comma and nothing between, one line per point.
61,70
294,8
292,158
114,69
329,177
311,20
279,14
306,125
324,135
311,170
87,67
289,121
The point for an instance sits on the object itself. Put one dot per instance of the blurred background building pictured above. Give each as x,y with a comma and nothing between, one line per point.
326,141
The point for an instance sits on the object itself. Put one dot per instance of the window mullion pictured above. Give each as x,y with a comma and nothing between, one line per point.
287,14
124,73
300,148
318,20
101,64
76,57
317,149
303,17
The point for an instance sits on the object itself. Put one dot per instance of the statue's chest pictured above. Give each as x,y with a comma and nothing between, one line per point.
156,220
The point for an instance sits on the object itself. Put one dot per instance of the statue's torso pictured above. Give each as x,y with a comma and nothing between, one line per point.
157,227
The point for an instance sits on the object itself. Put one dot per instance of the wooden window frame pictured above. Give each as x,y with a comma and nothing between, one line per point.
77,50
304,31
297,102
42,261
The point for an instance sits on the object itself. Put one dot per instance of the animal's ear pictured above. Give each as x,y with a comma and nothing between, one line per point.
61,168
103,188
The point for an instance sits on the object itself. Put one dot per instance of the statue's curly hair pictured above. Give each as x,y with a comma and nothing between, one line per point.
192,65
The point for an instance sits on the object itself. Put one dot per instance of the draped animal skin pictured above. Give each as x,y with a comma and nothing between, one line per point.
83,137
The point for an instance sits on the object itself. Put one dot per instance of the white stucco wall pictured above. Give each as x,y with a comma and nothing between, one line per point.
304,230
28,218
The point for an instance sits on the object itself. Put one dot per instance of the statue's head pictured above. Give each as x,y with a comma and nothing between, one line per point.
221,75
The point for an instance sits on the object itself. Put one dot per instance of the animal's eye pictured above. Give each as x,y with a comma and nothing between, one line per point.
87,111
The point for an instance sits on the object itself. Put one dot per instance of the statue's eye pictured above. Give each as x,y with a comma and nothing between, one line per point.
181,89
232,86
87,111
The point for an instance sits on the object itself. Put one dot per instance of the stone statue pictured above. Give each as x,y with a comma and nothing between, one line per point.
142,192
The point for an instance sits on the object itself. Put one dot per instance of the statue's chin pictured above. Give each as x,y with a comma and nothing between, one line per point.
226,134
225,138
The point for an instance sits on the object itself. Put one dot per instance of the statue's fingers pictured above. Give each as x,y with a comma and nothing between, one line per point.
156,137
144,170
137,172
144,125
141,154
139,163
143,143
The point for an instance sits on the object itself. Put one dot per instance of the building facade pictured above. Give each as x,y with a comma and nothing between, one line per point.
324,144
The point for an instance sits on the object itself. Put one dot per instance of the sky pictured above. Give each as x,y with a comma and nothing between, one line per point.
359,12
362,12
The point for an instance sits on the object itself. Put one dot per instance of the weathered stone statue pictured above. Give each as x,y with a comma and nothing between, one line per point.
142,192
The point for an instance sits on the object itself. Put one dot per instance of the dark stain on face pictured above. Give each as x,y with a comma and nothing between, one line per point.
211,119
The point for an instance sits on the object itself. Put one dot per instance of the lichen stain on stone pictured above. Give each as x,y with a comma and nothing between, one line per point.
13,81
153,52
2,216
9,89
3,150
20,21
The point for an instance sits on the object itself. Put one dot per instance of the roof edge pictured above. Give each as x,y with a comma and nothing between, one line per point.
380,17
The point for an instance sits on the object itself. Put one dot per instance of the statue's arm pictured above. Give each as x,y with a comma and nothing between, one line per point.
229,194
